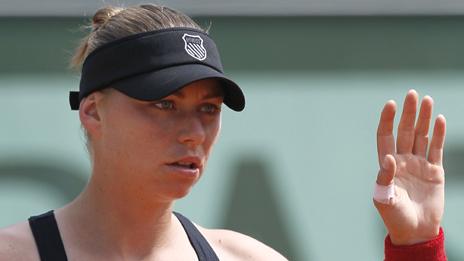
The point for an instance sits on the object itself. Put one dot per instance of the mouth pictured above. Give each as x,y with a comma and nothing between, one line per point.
184,164
187,163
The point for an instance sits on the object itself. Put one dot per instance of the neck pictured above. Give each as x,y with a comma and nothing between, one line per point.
119,218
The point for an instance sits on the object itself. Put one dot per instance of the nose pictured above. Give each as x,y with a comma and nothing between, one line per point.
193,131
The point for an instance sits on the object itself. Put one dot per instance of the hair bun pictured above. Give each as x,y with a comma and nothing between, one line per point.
111,23
103,15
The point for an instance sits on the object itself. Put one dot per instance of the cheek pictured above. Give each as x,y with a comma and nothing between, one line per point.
213,131
152,134
135,135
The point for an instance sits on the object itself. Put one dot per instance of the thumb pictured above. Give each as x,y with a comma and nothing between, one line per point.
387,171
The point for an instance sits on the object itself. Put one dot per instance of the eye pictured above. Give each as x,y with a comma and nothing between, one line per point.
165,105
210,108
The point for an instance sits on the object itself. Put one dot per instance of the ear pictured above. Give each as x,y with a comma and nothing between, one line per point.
90,115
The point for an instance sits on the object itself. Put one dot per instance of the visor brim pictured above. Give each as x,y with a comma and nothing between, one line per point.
158,84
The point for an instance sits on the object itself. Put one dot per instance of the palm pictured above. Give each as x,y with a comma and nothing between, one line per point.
420,188
414,215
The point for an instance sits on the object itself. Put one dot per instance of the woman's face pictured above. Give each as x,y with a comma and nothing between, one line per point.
159,147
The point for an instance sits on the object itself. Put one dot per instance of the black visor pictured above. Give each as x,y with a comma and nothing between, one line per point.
152,65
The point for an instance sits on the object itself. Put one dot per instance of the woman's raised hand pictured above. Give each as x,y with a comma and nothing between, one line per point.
415,168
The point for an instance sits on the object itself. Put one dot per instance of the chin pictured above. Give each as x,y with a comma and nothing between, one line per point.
177,191
173,195
173,185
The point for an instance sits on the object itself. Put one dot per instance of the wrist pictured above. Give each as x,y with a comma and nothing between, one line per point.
431,250
412,239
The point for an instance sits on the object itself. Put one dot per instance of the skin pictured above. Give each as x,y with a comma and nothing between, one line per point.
125,212
415,214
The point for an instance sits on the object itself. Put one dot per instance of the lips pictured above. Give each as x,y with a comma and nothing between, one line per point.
187,164
184,164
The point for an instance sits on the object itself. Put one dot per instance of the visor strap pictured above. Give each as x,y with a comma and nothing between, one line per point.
74,100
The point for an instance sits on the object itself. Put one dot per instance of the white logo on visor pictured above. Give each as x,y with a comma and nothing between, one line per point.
194,46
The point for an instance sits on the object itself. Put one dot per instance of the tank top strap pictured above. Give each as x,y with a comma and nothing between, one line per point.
47,237
50,245
203,249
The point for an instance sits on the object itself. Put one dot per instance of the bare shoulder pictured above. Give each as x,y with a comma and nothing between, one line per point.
231,245
17,243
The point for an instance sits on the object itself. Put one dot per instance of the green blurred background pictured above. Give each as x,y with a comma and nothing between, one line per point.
295,169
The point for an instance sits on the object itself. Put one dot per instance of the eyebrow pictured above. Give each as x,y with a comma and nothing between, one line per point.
213,95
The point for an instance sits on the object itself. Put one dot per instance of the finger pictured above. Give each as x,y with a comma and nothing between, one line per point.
405,140
421,138
385,138
438,141
387,171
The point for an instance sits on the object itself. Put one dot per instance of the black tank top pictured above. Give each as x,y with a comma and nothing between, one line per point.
50,246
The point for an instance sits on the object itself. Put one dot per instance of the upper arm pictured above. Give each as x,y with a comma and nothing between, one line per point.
230,245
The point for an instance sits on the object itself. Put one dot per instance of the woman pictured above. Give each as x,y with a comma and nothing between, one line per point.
150,104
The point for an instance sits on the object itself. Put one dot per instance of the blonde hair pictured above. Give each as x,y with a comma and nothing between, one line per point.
111,23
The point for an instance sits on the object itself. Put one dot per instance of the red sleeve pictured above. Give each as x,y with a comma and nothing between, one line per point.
433,250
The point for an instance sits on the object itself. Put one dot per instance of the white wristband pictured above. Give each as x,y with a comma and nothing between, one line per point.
383,194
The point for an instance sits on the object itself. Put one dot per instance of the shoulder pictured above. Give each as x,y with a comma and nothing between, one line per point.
17,243
231,245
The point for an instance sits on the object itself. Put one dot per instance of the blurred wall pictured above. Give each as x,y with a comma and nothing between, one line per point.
297,167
